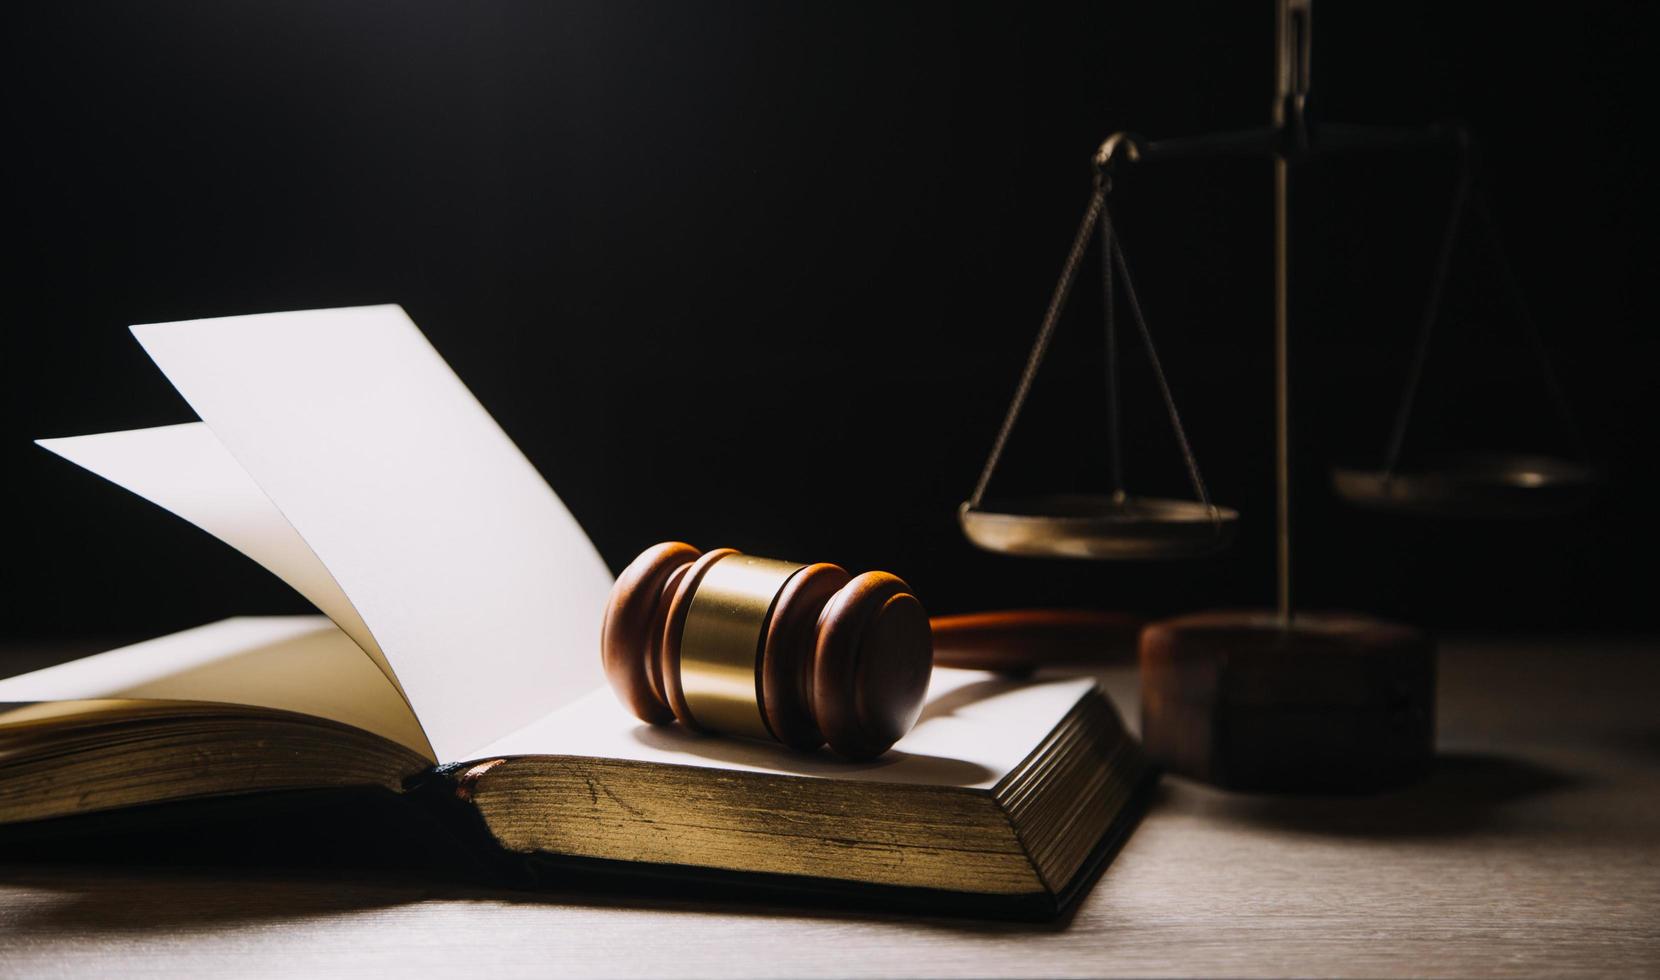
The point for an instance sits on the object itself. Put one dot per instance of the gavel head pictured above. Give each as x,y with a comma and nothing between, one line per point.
806,655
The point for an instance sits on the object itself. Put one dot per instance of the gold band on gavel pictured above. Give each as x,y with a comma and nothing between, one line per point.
721,642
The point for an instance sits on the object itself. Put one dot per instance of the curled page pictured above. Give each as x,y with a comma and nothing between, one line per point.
184,469
479,587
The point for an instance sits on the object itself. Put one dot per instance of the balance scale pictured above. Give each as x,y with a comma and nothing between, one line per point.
1275,699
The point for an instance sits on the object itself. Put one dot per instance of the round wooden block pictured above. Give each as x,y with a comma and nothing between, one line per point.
787,654
1334,702
871,666
633,628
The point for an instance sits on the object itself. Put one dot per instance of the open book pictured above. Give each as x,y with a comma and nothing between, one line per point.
459,649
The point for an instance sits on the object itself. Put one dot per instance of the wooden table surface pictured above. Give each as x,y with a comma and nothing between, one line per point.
1534,851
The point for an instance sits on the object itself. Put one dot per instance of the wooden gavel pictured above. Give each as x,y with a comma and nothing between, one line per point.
810,655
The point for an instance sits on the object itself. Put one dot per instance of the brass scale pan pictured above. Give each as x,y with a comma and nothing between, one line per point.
1494,485
1098,526
1471,484
1115,525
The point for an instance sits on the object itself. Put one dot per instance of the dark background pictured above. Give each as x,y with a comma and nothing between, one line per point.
762,275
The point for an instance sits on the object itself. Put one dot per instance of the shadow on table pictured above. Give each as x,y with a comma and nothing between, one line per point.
115,899
1640,743
319,855
1465,793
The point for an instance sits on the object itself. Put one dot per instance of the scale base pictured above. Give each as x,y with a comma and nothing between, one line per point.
1332,703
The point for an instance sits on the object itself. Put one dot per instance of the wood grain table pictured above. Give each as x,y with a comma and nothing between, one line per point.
1534,850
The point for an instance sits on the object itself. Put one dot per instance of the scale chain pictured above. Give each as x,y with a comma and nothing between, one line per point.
1536,338
1115,451
1432,315
1046,333
1469,187
1188,458
1112,255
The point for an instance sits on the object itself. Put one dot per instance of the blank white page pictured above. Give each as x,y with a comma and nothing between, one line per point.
974,729
483,592
184,469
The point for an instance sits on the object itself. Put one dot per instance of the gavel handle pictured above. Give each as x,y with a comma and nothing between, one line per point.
1021,640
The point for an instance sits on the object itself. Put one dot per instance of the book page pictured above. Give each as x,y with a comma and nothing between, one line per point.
184,469
975,727
292,663
481,589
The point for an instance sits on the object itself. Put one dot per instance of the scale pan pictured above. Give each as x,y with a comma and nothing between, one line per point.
1493,485
1098,526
